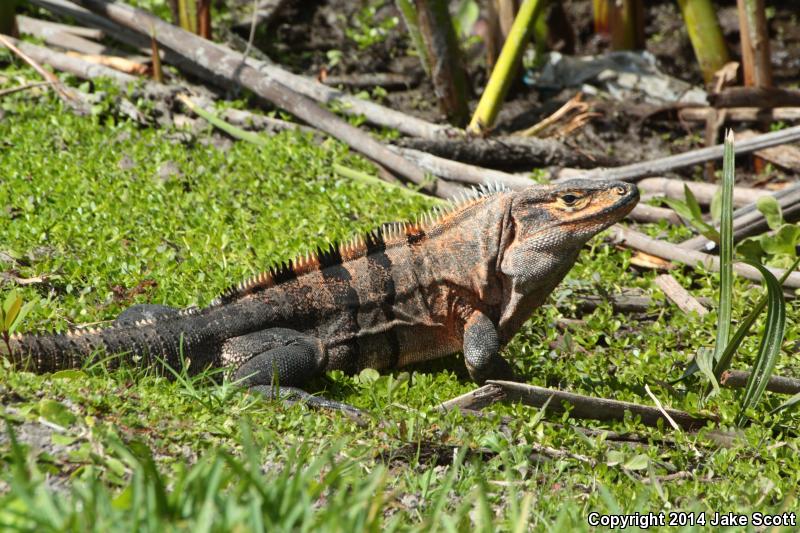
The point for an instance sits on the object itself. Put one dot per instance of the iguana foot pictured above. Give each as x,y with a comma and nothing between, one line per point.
292,395
481,350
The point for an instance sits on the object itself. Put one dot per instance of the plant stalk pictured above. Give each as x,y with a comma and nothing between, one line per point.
706,36
505,69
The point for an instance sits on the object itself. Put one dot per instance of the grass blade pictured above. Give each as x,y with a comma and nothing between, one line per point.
725,250
791,402
770,346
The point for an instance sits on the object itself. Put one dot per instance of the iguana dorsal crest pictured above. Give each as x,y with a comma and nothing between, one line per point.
391,234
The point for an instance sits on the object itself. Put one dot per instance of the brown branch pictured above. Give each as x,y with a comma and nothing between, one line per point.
666,250
662,165
749,221
737,379
70,97
679,296
224,62
583,407
373,113
18,88
703,192
742,114
506,152
755,97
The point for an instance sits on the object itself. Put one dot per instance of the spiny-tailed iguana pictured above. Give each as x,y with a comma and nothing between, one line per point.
463,280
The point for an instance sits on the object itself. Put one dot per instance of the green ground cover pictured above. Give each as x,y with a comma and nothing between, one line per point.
101,214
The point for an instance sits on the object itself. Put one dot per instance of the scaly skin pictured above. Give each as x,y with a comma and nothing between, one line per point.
465,280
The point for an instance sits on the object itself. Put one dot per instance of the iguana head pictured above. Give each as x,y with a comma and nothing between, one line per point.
547,226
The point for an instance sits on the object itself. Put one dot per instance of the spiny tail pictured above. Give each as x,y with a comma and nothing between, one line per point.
144,344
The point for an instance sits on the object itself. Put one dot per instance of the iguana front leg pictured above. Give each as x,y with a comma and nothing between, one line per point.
482,350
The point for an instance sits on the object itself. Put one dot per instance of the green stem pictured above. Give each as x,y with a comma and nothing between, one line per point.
504,70
706,36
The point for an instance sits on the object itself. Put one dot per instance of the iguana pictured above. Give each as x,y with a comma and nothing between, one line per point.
464,279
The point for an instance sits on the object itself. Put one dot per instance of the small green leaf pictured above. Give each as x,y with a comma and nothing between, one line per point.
368,375
784,241
637,462
750,248
614,457
56,412
11,309
771,210
788,404
715,209
69,374
705,362
691,203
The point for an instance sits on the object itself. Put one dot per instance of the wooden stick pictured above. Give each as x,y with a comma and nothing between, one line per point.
738,379
69,96
748,220
755,97
506,152
89,33
374,113
703,192
224,62
463,172
679,296
582,406
742,114
666,250
650,213
662,165
19,88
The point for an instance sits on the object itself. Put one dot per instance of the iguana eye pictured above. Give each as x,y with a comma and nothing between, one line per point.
569,199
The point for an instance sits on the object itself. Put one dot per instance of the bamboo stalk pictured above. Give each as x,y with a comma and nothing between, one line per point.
626,18
504,71
445,67
706,36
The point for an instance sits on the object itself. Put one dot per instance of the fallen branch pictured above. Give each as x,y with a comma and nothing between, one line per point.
67,95
755,97
54,35
785,156
462,172
25,87
224,62
678,295
506,152
741,114
748,220
666,250
373,113
650,213
583,407
89,33
737,379
662,165
703,192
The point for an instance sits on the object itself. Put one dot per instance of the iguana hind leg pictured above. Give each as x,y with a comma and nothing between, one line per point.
277,361
482,350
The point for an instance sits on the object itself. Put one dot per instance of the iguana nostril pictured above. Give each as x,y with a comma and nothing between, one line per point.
621,190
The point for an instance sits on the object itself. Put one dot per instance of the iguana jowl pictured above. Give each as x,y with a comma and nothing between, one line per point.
465,279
